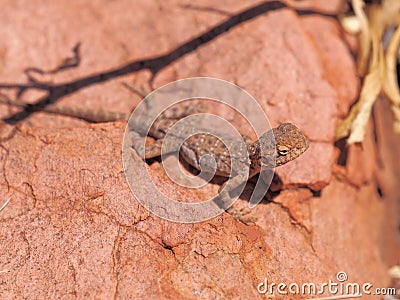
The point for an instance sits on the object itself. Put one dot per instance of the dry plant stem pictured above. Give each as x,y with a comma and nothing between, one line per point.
381,75
371,87
390,85
365,37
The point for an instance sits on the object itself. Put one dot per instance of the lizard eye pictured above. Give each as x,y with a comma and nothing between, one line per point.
283,150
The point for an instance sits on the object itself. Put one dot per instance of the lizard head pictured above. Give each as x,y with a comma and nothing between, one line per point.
289,144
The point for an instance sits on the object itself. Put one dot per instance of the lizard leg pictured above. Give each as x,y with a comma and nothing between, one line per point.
225,197
225,190
241,215
150,151
147,152
153,150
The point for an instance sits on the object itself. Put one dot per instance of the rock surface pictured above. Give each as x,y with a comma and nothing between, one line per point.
73,229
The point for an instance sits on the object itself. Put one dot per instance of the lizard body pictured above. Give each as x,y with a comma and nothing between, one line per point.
276,147
245,158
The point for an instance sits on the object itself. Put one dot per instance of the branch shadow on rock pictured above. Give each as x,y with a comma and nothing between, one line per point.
54,92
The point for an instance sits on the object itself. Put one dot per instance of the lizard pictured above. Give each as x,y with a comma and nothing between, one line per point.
274,148
247,158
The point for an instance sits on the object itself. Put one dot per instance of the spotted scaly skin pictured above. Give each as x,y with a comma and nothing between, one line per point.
245,159
289,144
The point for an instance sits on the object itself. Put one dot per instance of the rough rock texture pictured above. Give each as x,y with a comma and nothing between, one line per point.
74,230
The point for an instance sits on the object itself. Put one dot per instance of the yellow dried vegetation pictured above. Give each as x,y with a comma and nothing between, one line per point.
376,64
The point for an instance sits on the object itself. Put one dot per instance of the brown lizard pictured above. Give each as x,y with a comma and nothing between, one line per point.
247,158
276,147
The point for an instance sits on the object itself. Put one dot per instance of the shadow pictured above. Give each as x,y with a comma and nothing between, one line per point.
343,151
56,91
68,63
247,190
273,191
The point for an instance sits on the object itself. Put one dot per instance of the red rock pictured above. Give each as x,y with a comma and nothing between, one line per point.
73,229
